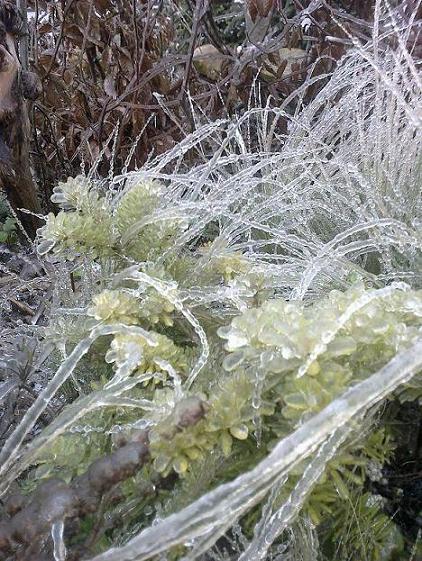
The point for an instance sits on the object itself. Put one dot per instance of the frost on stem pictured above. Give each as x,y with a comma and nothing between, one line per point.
54,502
301,249
229,501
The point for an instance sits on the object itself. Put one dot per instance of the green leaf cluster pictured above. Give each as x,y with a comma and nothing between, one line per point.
271,365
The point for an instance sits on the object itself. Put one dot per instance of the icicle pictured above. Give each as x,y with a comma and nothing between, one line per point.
59,548
256,403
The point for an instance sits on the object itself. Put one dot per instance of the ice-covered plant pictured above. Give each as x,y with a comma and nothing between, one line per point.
251,312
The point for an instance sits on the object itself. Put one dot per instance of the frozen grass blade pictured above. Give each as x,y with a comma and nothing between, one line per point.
231,500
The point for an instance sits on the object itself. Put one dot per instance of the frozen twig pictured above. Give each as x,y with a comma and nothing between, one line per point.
55,502
229,501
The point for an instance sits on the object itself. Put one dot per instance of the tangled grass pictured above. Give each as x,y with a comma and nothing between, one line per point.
255,313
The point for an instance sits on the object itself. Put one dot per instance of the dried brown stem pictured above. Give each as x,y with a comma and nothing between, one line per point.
15,85
24,534
55,500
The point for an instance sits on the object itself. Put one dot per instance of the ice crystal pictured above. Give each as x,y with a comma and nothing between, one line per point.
271,290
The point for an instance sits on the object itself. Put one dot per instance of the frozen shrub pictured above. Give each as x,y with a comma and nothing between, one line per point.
251,312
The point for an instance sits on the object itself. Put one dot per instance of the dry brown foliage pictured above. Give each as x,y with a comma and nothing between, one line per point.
127,62
100,63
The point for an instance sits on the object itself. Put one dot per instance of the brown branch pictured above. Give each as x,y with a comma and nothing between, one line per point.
15,173
59,41
27,528
55,500
201,8
24,308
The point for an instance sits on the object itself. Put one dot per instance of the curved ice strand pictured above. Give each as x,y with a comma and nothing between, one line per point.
230,500
59,547
271,527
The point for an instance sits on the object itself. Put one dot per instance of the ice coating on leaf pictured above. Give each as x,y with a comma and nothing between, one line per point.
74,194
233,360
115,305
254,237
144,356
284,334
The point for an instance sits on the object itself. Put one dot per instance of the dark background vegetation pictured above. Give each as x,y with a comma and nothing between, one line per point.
134,64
